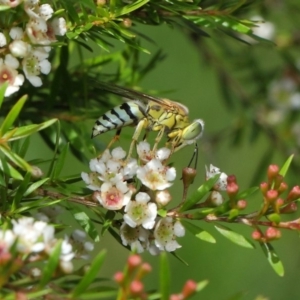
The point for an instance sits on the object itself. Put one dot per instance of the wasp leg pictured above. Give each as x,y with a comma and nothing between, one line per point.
158,138
113,140
142,124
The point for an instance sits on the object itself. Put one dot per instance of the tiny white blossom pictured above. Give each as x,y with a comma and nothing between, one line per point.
221,184
34,64
141,212
8,73
137,238
16,33
59,26
45,11
163,153
162,198
3,41
146,154
156,176
7,238
19,48
263,29
165,233
113,197
216,198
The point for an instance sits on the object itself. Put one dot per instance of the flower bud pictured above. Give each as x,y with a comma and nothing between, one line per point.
127,22
294,193
134,261
216,198
189,288
264,187
119,277
273,233
19,48
188,176
290,208
271,195
241,204
232,189
273,171
162,198
136,287
282,187
256,235
231,179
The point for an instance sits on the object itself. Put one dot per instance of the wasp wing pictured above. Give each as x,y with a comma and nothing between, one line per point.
134,95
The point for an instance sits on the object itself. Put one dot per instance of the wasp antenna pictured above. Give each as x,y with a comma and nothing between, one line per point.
195,155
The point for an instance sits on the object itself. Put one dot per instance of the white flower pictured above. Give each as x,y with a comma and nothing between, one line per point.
19,48
265,30
221,184
8,73
146,154
141,212
59,26
129,169
7,238
16,33
2,40
165,234
34,64
162,198
137,238
216,198
92,181
33,236
156,176
45,11
113,197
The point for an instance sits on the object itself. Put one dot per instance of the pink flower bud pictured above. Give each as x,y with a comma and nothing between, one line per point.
119,277
146,268
282,187
256,235
264,187
273,233
273,171
127,22
290,208
294,193
232,189
241,204
134,261
231,179
271,195
189,288
136,287
176,297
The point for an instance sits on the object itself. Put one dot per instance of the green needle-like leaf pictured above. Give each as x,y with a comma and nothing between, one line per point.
86,223
21,191
235,237
90,275
60,161
12,115
273,258
24,131
198,232
35,186
3,87
9,170
130,7
286,166
164,277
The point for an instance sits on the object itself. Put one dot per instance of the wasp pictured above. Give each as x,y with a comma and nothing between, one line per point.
151,114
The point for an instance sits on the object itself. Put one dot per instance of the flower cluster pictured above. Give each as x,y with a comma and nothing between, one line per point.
136,189
35,240
26,44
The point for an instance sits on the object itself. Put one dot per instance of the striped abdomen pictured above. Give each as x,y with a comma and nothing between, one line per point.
128,113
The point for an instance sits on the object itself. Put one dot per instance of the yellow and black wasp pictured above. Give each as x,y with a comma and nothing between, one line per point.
152,114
